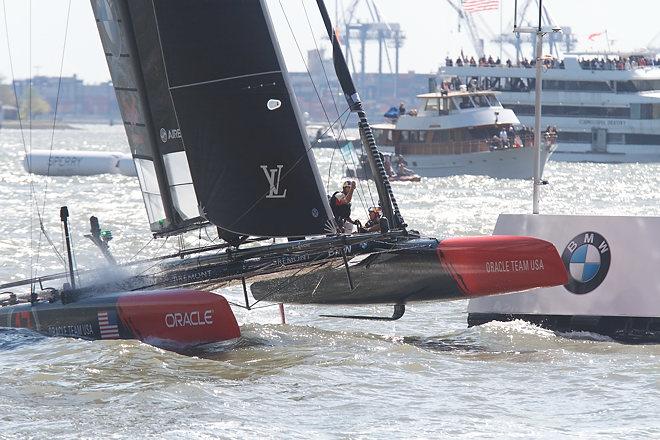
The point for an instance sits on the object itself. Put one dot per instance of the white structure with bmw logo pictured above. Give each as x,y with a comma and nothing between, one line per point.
614,277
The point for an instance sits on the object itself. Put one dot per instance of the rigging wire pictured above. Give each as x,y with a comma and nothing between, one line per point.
332,158
332,95
316,91
52,140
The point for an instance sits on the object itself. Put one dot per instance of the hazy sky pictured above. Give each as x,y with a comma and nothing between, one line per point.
431,27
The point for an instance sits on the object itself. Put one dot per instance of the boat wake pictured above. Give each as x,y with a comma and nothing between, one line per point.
13,338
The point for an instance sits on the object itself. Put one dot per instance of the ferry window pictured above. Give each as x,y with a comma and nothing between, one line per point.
494,102
570,137
625,87
615,138
431,104
481,101
440,136
522,109
646,85
405,136
465,102
422,136
447,105
414,136
642,139
646,111
383,136
595,86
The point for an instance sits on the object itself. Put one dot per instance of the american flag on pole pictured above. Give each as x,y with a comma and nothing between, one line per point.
108,324
480,5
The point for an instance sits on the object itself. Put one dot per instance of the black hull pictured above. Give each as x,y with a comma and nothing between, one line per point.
417,270
626,329
390,268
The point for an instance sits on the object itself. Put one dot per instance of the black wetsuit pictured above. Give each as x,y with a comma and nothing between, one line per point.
342,212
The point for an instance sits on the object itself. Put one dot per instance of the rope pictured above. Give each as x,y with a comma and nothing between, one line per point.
316,91
332,95
365,128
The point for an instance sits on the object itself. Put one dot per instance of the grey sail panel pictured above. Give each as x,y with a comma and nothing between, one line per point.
130,40
250,160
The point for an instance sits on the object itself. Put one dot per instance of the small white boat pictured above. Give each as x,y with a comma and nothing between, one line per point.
463,132
78,163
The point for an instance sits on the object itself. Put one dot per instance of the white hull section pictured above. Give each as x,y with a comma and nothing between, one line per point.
574,152
512,163
628,287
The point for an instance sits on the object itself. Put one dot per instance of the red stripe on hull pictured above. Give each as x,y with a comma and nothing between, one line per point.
178,317
499,264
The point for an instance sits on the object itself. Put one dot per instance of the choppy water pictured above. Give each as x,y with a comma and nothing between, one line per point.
424,376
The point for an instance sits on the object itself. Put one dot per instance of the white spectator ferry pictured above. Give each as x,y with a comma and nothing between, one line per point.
605,110
460,132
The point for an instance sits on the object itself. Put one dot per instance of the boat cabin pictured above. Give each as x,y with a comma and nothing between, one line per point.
453,122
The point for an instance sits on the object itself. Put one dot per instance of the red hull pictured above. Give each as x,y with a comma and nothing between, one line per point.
175,319
496,264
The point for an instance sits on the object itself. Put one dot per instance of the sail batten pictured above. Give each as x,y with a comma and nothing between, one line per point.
223,79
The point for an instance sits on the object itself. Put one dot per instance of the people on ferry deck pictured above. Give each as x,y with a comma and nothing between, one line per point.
340,203
511,133
402,109
495,143
504,137
373,224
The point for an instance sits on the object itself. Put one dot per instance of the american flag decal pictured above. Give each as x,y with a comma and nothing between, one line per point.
108,324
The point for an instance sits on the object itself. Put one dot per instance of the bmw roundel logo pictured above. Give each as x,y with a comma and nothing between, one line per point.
587,260
163,135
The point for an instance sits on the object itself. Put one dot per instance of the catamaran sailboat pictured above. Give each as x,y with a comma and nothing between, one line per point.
218,141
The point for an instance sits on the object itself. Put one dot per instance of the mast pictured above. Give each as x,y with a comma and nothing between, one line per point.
539,31
385,194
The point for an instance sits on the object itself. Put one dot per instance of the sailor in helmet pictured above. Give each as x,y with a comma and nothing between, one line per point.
373,224
340,202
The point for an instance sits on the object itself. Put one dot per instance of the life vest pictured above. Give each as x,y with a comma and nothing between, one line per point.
340,211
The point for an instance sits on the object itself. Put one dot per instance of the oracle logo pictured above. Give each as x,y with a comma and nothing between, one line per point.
189,319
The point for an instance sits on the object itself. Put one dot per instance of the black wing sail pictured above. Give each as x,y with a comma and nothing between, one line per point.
251,163
130,41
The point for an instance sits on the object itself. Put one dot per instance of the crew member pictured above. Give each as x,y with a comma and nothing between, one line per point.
340,202
373,224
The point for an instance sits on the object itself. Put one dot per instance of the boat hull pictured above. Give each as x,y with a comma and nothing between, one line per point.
175,319
614,154
510,163
613,287
423,270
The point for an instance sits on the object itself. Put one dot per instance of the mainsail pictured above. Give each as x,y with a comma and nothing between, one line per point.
213,105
